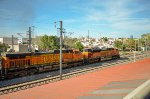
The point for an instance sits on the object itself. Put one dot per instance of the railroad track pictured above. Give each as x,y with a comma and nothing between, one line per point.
26,85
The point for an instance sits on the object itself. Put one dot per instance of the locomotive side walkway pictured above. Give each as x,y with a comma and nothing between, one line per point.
108,83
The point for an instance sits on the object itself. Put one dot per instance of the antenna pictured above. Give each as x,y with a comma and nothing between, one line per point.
55,24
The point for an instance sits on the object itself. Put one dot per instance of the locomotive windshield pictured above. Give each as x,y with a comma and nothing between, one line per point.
87,50
63,51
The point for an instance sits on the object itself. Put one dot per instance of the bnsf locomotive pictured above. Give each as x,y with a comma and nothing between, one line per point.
21,64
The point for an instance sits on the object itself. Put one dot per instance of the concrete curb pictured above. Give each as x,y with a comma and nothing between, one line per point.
140,92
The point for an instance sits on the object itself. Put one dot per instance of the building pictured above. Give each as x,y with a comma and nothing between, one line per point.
8,40
94,42
18,45
21,48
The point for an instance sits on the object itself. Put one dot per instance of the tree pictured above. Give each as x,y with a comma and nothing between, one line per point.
131,44
44,40
105,39
118,44
79,46
53,42
69,42
3,47
146,39
147,35
37,41
49,42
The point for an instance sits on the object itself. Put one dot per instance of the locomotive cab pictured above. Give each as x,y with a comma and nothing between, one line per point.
87,53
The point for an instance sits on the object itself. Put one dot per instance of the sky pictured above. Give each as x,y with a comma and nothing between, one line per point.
103,18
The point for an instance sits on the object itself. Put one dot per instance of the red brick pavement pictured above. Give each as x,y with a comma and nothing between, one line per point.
79,86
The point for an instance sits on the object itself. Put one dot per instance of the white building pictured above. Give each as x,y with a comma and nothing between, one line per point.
93,42
21,48
17,44
8,40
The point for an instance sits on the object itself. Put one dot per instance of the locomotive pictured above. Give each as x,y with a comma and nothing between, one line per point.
22,64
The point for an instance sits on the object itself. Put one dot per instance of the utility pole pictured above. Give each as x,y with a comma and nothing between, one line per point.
135,45
135,52
30,39
60,61
61,40
61,31
88,35
122,44
138,44
12,42
146,44
134,56
33,35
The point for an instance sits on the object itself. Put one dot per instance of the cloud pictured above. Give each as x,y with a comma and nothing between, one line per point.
134,25
16,12
111,11
79,15
121,15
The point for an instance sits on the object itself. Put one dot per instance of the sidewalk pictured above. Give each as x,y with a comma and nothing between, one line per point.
120,80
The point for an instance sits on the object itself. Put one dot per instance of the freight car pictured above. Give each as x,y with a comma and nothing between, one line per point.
15,65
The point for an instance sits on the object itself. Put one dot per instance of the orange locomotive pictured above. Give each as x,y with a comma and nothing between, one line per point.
96,55
14,65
